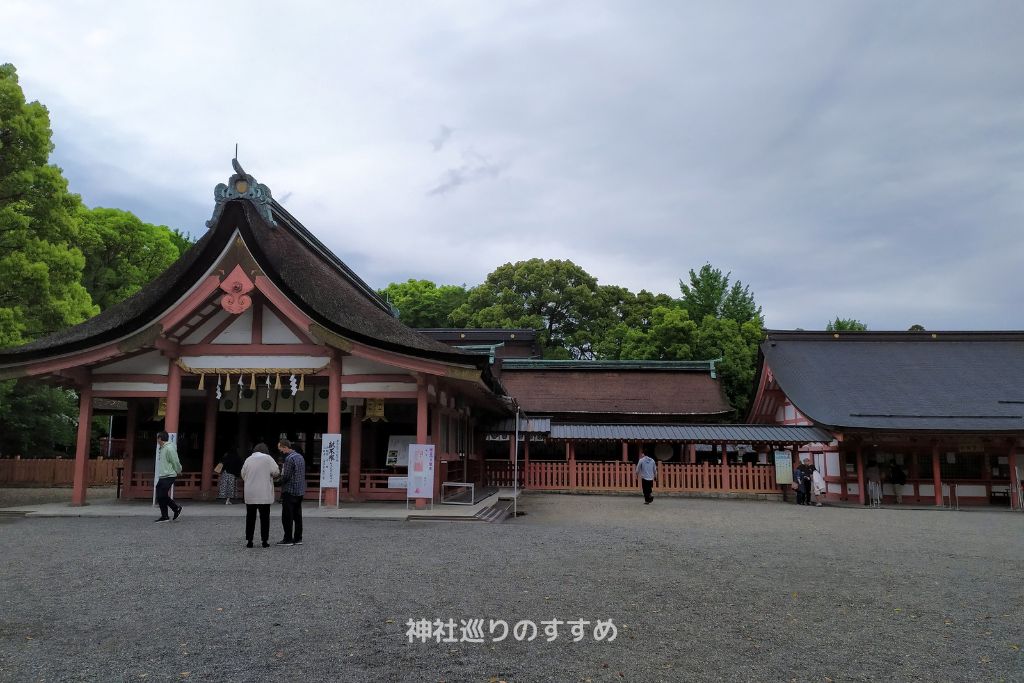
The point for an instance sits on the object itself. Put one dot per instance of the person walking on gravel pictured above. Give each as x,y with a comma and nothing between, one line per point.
168,467
647,470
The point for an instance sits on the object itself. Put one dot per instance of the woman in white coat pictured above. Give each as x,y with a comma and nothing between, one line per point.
258,472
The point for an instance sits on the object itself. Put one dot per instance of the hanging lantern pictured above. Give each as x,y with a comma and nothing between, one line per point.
277,381
202,381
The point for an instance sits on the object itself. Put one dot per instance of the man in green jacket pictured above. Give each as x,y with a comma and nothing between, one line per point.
167,468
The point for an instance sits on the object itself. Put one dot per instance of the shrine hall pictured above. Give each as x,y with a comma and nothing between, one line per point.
259,332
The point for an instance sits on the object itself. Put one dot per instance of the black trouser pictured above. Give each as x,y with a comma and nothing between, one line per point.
250,521
163,495
803,493
648,487
291,517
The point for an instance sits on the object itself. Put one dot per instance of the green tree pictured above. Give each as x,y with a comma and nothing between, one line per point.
916,328
670,335
40,266
557,298
36,419
709,293
845,325
122,253
421,303
736,344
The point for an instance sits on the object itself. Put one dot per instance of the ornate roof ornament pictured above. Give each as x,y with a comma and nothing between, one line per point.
242,186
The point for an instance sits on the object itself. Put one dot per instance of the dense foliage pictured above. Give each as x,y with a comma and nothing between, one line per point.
60,263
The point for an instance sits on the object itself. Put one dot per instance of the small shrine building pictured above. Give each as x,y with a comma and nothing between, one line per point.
948,407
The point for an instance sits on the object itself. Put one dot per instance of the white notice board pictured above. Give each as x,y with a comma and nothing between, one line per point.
330,461
783,467
398,450
421,471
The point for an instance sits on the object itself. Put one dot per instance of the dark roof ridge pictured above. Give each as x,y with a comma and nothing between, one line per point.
895,335
656,365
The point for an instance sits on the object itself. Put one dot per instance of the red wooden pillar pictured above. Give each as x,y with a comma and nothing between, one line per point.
1014,479
81,482
937,474
726,483
209,443
422,416
129,447
173,398
333,415
512,447
691,452
570,456
625,451
526,452
355,452
861,492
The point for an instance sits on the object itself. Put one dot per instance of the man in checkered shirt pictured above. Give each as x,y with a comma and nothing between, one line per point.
293,488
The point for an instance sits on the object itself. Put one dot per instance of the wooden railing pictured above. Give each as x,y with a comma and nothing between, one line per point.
56,472
189,485
620,476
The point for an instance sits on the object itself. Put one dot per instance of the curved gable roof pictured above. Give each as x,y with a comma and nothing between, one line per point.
306,271
955,381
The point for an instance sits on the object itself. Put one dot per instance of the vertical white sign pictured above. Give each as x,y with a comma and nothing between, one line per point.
330,461
783,467
421,471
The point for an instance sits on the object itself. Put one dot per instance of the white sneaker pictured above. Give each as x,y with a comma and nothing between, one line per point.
227,502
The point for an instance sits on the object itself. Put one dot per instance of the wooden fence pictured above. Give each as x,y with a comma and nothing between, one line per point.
55,472
620,476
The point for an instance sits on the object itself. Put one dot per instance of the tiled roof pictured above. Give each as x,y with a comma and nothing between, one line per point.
743,434
955,381
632,392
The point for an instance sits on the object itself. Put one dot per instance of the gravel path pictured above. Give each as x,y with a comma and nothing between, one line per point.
698,590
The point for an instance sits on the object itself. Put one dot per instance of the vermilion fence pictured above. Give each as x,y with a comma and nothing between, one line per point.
620,476
56,472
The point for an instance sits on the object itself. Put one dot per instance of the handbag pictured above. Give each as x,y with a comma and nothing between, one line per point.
219,468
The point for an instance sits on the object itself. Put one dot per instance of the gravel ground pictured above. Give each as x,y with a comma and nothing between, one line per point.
698,590
14,496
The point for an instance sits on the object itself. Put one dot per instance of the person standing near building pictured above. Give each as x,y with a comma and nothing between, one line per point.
647,470
293,488
168,467
873,475
804,478
898,479
230,470
258,473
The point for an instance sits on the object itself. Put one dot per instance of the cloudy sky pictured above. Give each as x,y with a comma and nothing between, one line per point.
861,159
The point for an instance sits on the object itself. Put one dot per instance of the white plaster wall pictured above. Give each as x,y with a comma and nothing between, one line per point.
275,331
360,366
363,387
206,328
238,332
128,386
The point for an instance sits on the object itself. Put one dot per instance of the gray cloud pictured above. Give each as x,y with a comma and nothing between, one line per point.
474,169
443,135
854,158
